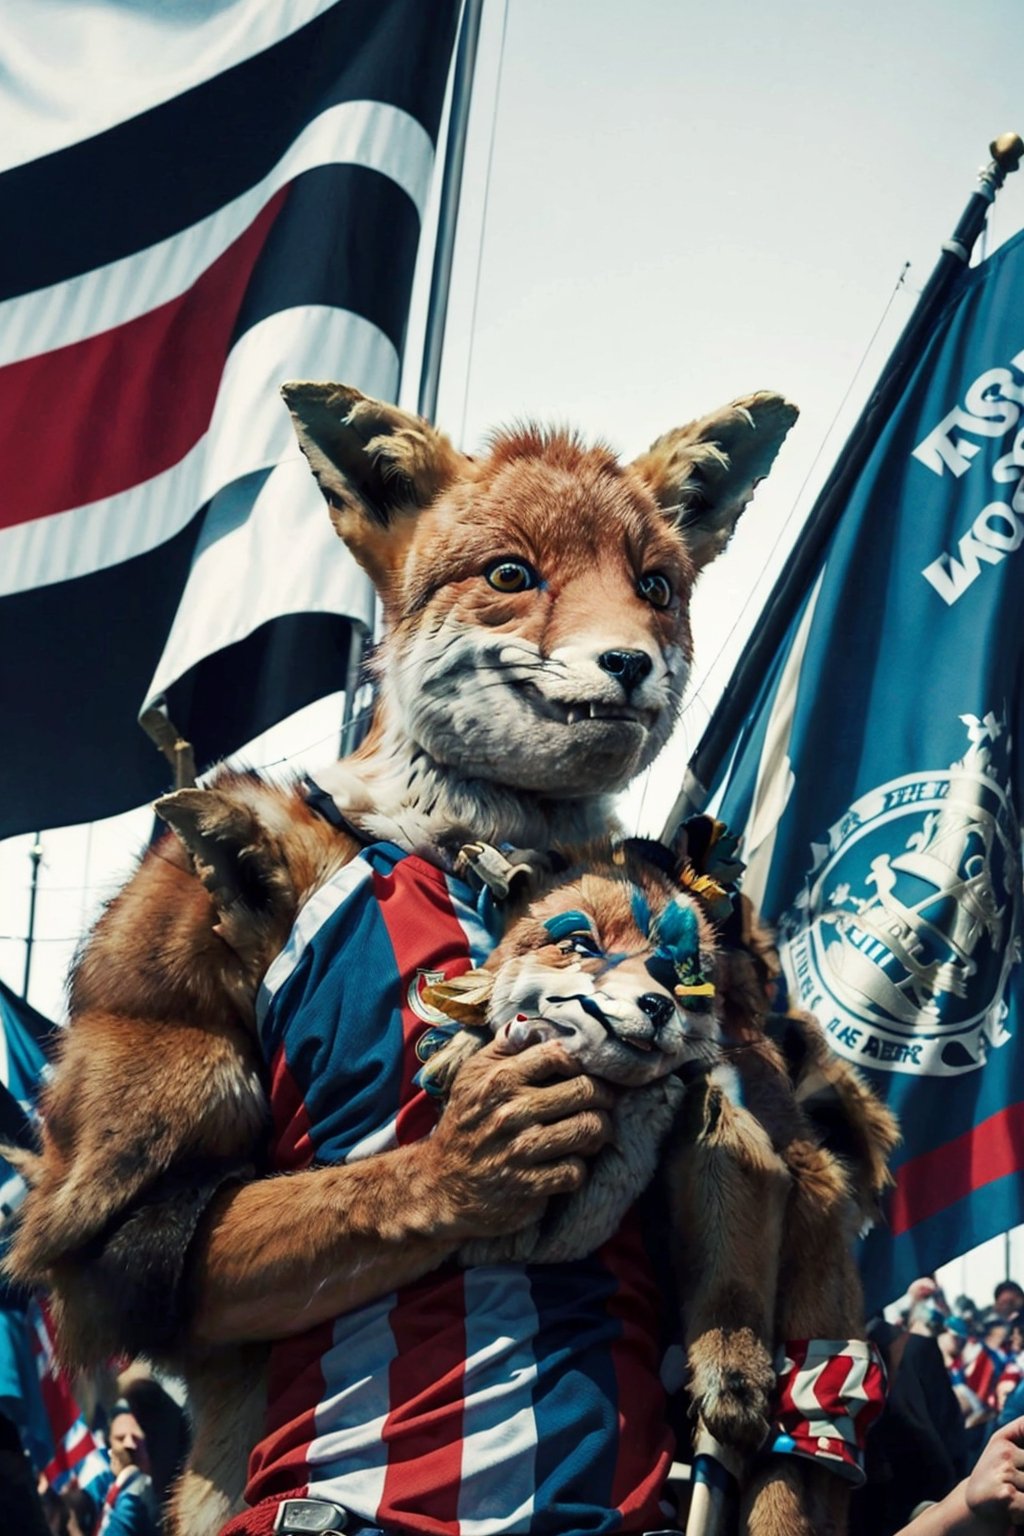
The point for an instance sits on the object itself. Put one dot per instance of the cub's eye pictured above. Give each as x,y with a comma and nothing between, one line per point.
655,589
581,944
511,576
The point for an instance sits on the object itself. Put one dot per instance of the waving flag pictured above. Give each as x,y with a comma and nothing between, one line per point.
26,1043
34,1391
201,202
75,1455
879,783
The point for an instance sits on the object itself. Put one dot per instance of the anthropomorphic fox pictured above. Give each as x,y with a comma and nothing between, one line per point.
537,646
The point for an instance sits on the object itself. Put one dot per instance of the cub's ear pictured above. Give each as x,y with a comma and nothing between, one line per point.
234,855
704,474
375,465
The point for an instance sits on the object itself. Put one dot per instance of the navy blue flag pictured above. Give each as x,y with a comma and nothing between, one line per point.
27,1040
26,1044
878,780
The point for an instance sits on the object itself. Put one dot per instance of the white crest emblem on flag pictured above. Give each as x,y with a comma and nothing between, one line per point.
908,926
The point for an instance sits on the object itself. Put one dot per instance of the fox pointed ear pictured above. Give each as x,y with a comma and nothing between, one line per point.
704,474
233,854
375,465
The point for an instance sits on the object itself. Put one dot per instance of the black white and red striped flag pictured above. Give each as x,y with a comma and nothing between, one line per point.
199,203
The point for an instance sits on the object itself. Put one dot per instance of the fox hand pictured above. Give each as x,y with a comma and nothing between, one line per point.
517,1129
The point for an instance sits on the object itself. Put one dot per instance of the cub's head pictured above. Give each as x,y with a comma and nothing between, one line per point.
615,961
536,599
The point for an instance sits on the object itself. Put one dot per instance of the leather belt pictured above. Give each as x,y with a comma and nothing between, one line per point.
320,1517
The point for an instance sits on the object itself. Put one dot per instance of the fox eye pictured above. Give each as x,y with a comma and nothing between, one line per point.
655,588
512,576
581,944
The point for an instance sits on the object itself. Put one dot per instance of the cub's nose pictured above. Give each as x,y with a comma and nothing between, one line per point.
627,667
658,1008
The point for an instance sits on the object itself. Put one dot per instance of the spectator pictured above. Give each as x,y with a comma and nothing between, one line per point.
164,1425
916,1451
82,1515
54,1513
951,1341
987,1501
918,1290
1008,1298
130,1507
1012,1373
989,1359
926,1318
958,1350
966,1308
975,1366
21,1503
1013,1405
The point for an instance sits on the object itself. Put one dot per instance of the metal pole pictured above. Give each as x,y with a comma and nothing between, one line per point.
716,1475
437,303
35,853
448,213
352,732
731,714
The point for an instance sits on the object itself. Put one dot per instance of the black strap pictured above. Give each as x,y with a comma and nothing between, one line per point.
325,806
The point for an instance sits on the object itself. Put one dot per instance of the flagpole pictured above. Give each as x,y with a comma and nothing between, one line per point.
731,714
352,726
35,853
353,729
448,212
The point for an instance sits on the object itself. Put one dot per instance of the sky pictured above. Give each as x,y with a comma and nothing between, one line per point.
667,205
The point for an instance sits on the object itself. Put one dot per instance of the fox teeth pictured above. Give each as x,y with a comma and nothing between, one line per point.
580,712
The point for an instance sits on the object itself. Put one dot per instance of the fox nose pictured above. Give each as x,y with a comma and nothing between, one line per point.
658,1008
628,667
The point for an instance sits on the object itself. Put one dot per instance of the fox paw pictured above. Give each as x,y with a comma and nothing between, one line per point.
732,1381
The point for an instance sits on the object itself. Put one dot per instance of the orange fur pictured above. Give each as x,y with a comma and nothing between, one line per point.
830,1195
497,717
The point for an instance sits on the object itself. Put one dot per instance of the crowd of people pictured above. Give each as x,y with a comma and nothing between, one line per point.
956,1380
142,1438
983,1352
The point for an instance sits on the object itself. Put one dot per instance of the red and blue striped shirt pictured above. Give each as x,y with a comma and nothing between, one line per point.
475,1402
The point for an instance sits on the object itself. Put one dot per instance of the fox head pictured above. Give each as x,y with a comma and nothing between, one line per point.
535,599
614,960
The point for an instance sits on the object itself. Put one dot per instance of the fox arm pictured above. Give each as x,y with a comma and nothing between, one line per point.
276,1256
281,1255
147,1241
145,1218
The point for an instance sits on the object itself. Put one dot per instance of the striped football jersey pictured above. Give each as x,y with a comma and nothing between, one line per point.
474,1402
